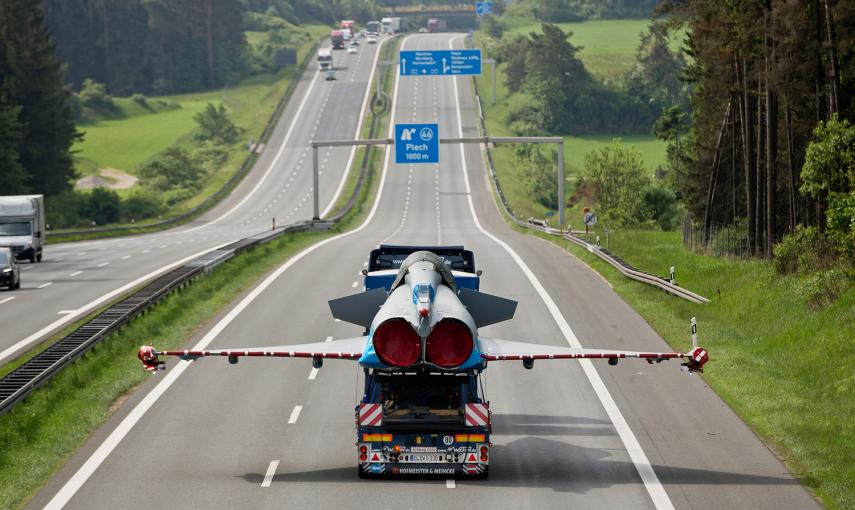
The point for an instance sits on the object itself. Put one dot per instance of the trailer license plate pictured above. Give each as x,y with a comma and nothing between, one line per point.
424,457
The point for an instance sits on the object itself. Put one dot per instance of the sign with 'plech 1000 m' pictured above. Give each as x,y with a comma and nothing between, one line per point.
416,143
440,62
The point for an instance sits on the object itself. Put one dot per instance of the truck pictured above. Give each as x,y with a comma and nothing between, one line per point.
433,25
386,25
325,60
347,23
337,38
372,27
22,226
426,421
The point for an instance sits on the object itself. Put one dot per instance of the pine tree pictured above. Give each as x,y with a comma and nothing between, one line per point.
32,79
12,177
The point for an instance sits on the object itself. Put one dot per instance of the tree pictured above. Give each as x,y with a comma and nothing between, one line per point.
538,172
215,125
657,72
13,178
174,168
103,206
617,178
32,80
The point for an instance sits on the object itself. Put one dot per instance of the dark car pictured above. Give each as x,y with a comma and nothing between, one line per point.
10,274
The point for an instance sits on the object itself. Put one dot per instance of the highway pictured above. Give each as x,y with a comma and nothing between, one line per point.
274,433
77,277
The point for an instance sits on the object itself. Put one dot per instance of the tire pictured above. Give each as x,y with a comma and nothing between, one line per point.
18,285
33,257
39,257
362,474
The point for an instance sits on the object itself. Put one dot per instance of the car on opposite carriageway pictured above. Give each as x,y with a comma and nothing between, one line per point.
10,273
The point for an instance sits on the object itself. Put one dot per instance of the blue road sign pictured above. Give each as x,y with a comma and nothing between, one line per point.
440,62
416,143
482,8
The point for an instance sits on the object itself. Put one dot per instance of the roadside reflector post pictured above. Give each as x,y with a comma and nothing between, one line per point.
317,215
673,280
694,332
607,238
598,241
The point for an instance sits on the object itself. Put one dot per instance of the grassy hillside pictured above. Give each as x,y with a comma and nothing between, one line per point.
136,134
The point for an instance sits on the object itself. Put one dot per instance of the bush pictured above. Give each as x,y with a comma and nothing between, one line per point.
806,250
539,173
102,206
141,100
660,205
215,125
210,156
63,210
94,95
824,287
141,205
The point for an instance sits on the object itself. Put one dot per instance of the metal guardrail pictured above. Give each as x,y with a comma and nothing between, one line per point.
227,187
621,265
22,381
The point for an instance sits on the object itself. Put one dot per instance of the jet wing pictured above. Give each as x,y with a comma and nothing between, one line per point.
348,348
505,350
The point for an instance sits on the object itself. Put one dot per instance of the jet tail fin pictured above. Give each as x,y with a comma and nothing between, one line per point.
487,309
359,308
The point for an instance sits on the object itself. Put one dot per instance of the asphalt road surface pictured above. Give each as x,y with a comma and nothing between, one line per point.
274,433
76,277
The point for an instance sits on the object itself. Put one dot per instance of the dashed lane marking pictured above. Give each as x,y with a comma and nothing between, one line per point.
44,285
75,273
6,300
271,470
295,414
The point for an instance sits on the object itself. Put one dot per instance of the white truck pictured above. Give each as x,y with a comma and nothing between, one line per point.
22,225
325,61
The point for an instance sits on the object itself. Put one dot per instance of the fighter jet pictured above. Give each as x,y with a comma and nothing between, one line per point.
426,318
422,355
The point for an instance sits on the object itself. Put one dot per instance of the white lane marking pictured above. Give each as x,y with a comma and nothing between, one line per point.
148,251
39,287
27,268
75,273
273,164
450,483
355,284
126,257
295,414
313,374
329,339
6,300
162,246
63,312
633,447
368,90
102,264
103,451
271,470
85,308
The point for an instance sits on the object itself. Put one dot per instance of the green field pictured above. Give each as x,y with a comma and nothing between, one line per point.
608,45
137,134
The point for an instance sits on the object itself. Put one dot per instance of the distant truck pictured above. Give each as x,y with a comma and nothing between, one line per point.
372,27
337,38
325,60
433,25
386,25
22,226
347,23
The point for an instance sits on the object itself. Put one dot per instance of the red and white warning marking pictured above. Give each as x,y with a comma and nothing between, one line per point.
477,415
370,415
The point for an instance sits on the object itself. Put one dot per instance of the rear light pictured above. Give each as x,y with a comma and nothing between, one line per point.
449,343
483,458
396,343
363,457
397,449
483,450
363,449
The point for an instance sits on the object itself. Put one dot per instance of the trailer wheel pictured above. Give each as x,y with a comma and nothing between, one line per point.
362,474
